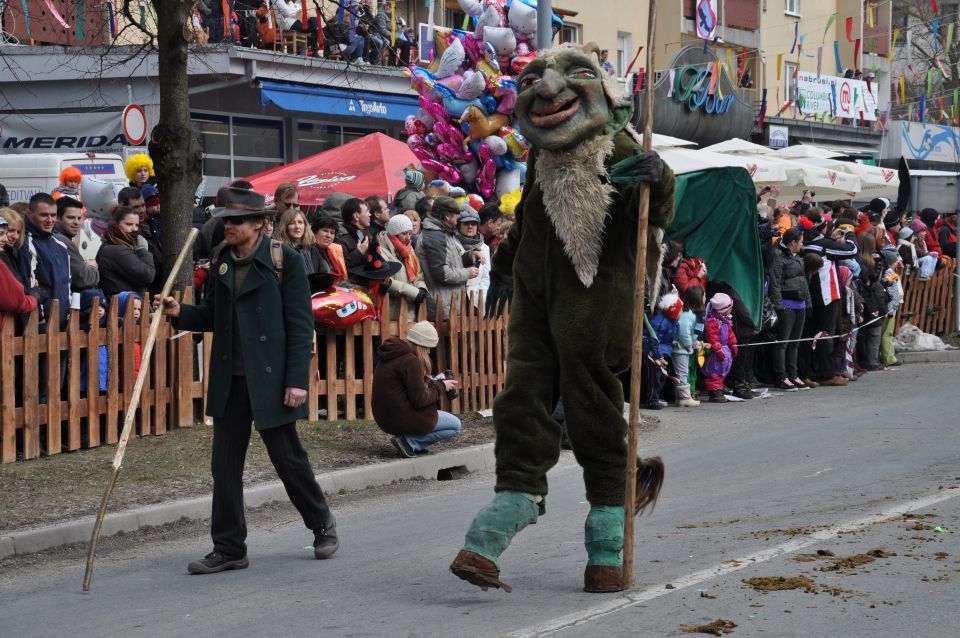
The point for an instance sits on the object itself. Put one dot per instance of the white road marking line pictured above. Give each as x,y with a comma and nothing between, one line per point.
631,599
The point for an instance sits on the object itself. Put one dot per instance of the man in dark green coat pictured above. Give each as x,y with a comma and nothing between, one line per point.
258,308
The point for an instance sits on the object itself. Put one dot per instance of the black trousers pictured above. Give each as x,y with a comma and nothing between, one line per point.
825,320
741,370
231,436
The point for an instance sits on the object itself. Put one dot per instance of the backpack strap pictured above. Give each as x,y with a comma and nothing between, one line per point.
276,254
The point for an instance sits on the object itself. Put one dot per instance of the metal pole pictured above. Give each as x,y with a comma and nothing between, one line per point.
544,30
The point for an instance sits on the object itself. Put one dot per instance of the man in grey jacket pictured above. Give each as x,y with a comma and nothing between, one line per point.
446,265
83,272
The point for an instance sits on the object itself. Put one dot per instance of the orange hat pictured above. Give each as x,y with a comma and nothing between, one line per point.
70,174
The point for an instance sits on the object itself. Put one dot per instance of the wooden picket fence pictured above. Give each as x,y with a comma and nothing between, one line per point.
930,304
36,423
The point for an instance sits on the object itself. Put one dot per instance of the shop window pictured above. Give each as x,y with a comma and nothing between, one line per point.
351,133
791,6
213,131
316,138
246,168
257,138
217,167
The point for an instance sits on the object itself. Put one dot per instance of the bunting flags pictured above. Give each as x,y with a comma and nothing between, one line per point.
903,88
856,53
836,54
933,5
923,109
763,109
929,82
870,7
730,70
779,65
935,28
893,45
947,42
796,31
819,60
850,29
829,24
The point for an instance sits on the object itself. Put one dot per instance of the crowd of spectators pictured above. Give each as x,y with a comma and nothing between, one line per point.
833,281
358,32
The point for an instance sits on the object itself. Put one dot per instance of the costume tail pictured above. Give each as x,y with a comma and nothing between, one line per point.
650,474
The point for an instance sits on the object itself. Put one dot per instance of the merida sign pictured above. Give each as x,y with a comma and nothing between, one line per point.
97,132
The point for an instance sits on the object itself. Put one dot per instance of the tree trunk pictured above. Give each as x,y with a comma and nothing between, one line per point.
174,149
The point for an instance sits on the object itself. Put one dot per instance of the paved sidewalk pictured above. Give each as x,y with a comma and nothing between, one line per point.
429,466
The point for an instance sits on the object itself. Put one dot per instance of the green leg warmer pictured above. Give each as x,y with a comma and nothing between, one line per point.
603,535
497,523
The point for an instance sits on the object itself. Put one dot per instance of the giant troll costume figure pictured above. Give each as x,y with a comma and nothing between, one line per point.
572,252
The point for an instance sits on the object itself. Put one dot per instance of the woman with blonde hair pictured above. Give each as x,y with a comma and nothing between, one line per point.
395,246
139,170
405,396
14,244
294,231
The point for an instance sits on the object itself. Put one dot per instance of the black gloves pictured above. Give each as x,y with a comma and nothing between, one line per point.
421,297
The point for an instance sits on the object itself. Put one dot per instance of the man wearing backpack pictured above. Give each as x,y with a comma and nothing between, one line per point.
258,308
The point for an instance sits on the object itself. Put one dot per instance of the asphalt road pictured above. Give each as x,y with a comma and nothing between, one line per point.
750,489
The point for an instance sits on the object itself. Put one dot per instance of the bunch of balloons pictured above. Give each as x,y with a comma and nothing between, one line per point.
463,132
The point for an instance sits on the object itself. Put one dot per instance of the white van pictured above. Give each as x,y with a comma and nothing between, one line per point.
28,174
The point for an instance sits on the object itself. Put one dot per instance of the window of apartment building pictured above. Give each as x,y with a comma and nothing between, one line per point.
570,33
624,49
790,81
791,6
236,147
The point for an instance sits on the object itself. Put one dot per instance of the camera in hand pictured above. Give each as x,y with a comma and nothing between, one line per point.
452,393
476,263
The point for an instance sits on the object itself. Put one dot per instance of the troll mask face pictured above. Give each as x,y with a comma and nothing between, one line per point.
562,99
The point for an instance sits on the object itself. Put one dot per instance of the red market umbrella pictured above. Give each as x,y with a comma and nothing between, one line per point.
371,165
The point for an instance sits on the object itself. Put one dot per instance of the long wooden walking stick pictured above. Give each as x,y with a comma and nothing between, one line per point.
638,311
146,351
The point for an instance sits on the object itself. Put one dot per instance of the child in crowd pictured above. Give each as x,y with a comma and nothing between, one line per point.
891,281
664,324
687,344
723,345
70,179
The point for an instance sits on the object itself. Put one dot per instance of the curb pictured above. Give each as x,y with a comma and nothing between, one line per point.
930,356
472,459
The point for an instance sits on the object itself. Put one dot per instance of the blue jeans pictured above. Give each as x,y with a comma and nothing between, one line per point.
447,426
355,49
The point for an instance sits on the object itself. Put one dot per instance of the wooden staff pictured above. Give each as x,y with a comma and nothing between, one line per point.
147,350
638,311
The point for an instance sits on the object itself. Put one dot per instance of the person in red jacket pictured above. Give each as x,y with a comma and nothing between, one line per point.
13,298
692,272
930,217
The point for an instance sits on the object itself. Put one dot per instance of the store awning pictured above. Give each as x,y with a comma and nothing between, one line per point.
332,101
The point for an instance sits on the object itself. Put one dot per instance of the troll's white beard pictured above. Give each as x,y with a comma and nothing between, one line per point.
578,201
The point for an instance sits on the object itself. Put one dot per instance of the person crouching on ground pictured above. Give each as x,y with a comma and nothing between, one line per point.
723,345
405,396
259,371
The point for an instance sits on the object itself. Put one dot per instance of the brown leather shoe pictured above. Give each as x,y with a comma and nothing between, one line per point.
603,579
834,382
478,570
810,383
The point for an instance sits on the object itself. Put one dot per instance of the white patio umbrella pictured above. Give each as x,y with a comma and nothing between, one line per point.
684,160
736,146
667,141
874,181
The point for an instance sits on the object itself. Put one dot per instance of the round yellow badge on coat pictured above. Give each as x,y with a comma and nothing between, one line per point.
223,269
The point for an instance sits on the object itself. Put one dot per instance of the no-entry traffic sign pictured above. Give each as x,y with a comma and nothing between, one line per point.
134,124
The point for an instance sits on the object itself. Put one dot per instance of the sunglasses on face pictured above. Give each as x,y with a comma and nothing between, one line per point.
234,221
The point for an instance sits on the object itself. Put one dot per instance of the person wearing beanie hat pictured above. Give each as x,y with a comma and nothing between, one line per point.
412,191
405,395
447,266
719,335
70,179
395,246
892,222
658,343
468,234
879,205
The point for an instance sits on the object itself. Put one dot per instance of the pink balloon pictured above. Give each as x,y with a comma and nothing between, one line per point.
444,170
420,148
487,178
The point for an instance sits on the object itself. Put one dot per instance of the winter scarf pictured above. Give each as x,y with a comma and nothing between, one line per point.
410,262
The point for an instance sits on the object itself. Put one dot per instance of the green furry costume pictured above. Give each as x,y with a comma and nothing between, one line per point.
572,252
